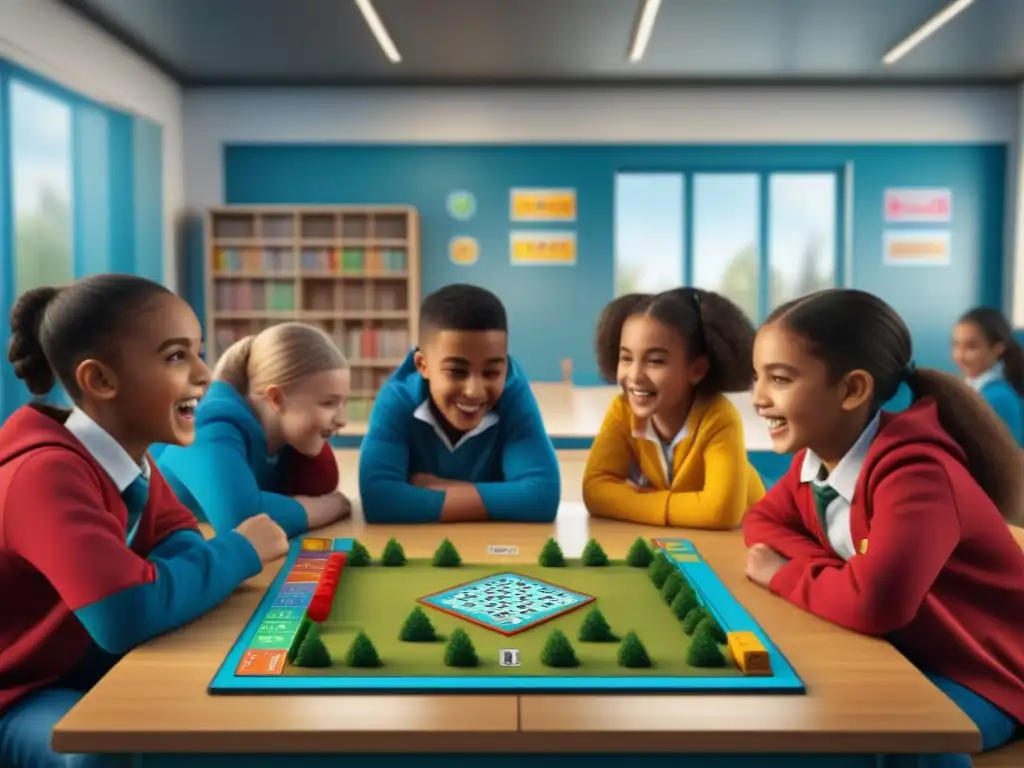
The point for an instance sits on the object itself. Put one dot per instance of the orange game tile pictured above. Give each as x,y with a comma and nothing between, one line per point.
297,576
261,663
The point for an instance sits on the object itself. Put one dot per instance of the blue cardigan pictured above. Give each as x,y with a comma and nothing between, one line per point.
1005,401
509,458
226,474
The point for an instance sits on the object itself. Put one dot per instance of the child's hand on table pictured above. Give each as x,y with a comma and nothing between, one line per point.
326,509
763,563
267,537
433,482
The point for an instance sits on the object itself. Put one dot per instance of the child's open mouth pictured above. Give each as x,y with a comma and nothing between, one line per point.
776,425
642,396
186,409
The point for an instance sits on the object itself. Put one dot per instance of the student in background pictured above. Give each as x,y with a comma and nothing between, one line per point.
96,554
263,431
992,362
671,450
456,433
892,524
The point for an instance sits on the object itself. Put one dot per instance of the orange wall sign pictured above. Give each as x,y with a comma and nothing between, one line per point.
543,205
529,248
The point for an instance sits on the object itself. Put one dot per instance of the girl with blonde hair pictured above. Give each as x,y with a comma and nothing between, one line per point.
263,431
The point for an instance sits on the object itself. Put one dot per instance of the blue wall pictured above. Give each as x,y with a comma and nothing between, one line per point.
539,300
116,198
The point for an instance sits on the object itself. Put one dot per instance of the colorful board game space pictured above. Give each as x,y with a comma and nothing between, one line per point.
337,619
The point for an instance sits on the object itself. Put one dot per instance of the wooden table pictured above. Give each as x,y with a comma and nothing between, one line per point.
863,696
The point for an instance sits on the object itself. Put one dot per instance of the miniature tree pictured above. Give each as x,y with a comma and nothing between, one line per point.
671,587
660,568
417,628
312,652
693,618
713,627
703,650
632,652
358,555
558,651
300,635
684,602
593,555
551,555
393,554
459,652
639,555
362,653
595,628
447,556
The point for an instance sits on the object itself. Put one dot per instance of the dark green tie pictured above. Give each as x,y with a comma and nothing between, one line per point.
135,497
823,496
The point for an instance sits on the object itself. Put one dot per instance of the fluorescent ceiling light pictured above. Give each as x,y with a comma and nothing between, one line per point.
642,33
377,27
926,30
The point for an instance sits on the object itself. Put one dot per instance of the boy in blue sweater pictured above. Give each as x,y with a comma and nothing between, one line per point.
455,433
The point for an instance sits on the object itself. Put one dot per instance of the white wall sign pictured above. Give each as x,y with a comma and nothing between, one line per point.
918,205
916,247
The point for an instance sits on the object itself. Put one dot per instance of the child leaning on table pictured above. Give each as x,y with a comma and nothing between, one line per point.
263,431
671,450
892,524
96,553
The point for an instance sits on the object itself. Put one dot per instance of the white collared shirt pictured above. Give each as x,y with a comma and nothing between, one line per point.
106,450
977,383
666,452
425,413
843,480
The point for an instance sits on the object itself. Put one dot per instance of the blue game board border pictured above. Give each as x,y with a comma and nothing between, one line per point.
726,609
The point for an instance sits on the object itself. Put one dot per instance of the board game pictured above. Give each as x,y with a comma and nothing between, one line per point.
337,619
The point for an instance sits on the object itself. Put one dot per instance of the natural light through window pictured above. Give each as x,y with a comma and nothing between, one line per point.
41,175
802,234
648,232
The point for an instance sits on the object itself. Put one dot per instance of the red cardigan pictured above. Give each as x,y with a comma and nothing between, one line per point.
939,574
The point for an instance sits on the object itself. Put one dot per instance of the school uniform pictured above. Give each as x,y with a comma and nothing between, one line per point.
900,541
101,557
508,456
227,474
702,478
1004,399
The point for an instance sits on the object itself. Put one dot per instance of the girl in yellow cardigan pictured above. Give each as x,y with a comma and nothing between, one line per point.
671,449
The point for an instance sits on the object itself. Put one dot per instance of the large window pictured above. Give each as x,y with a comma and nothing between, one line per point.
648,232
760,239
41,175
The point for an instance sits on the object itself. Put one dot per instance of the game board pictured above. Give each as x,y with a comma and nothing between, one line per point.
335,620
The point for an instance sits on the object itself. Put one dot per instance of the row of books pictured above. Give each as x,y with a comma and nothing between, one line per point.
357,343
254,260
255,295
353,297
342,260
369,378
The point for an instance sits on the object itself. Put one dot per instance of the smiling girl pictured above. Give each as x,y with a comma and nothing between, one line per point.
892,524
671,450
262,433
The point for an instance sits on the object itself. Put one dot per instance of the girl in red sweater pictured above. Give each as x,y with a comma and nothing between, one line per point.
892,524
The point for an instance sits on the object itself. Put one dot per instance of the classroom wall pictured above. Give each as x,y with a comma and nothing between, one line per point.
52,41
964,135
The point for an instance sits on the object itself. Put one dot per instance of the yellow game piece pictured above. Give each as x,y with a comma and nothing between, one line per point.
748,653
317,544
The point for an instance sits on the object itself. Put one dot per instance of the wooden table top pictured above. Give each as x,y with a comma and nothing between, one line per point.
862,695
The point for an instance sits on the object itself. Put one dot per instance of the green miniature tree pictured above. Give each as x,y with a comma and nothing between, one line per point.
417,628
312,652
300,635
632,652
362,653
684,602
639,555
393,554
447,556
671,587
593,555
551,555
459,651
693,618
703,650
595,628
660,568
358,555
558,651
713,627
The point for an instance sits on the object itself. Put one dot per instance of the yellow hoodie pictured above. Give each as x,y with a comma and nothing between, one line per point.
712,484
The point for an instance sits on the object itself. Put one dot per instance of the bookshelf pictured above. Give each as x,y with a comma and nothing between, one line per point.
352,270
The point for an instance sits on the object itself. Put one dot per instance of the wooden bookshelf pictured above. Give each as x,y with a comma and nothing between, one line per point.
352,270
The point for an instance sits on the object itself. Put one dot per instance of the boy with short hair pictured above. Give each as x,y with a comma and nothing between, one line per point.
456,433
